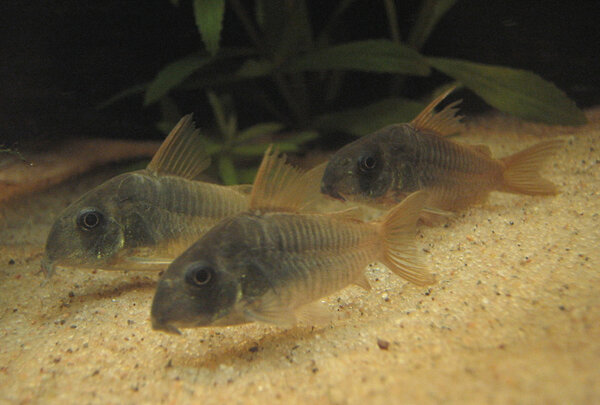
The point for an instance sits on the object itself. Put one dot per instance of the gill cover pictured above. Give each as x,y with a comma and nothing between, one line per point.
369,168
84,235
92,231
360,170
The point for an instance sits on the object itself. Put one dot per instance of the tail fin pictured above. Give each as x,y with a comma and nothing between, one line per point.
522,169
398,234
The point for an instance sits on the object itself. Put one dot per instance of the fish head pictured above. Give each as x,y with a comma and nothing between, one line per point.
202,286
358,172
86,234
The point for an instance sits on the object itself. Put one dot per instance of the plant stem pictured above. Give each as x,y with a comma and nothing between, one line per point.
430,14
299,85
334,84
323,37
289,97
390,11
241,13
258,42
262,98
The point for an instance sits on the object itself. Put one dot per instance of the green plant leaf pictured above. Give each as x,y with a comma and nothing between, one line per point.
362,121
170,115
378,55
332,21
259,149
211,147
259,13
253,68
271,18
392,16
246,176
209,19
138,88
431,13
264,128
301,137
172,75
286,147
227,170
289,144
515,91
296,35
226,120
164,126
169,111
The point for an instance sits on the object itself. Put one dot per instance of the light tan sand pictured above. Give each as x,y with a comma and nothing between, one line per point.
44,169
513,318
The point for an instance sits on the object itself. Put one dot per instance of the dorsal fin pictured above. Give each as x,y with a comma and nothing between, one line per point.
279,185
314,199
182,152
444,122
483,149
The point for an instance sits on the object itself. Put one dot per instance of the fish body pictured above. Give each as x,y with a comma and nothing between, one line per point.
143,219
269,264
384,167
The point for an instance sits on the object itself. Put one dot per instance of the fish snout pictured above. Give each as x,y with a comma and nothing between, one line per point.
162,307
164,326
329,190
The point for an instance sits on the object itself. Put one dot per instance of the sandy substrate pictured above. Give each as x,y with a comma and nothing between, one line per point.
33,172
513,318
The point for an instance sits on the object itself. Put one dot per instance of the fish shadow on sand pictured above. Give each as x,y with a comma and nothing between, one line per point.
93,293
273,345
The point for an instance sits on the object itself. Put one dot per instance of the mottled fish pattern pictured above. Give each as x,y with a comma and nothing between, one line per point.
384,167
273,261
143,219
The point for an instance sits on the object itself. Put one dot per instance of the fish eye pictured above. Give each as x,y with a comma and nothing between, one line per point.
89,218
199,274
367,163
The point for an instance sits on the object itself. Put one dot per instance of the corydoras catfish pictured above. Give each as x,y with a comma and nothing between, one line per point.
142,220
384,167
272,262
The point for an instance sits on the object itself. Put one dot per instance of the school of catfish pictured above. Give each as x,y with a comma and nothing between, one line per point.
238,254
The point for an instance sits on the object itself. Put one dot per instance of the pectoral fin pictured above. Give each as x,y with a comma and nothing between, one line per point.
315,313
352,213
398,238
438,211
483,149
270,310
362,282
150,261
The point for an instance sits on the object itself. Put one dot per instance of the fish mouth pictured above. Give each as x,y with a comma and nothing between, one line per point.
337,196
331,193
165,327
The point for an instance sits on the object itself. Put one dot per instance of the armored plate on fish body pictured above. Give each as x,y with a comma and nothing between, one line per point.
274,261
384,167
143,219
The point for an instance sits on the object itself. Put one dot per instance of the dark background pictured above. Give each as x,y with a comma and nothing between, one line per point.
60,59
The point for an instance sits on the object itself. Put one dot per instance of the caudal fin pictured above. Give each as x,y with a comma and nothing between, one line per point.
398,234
522,169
